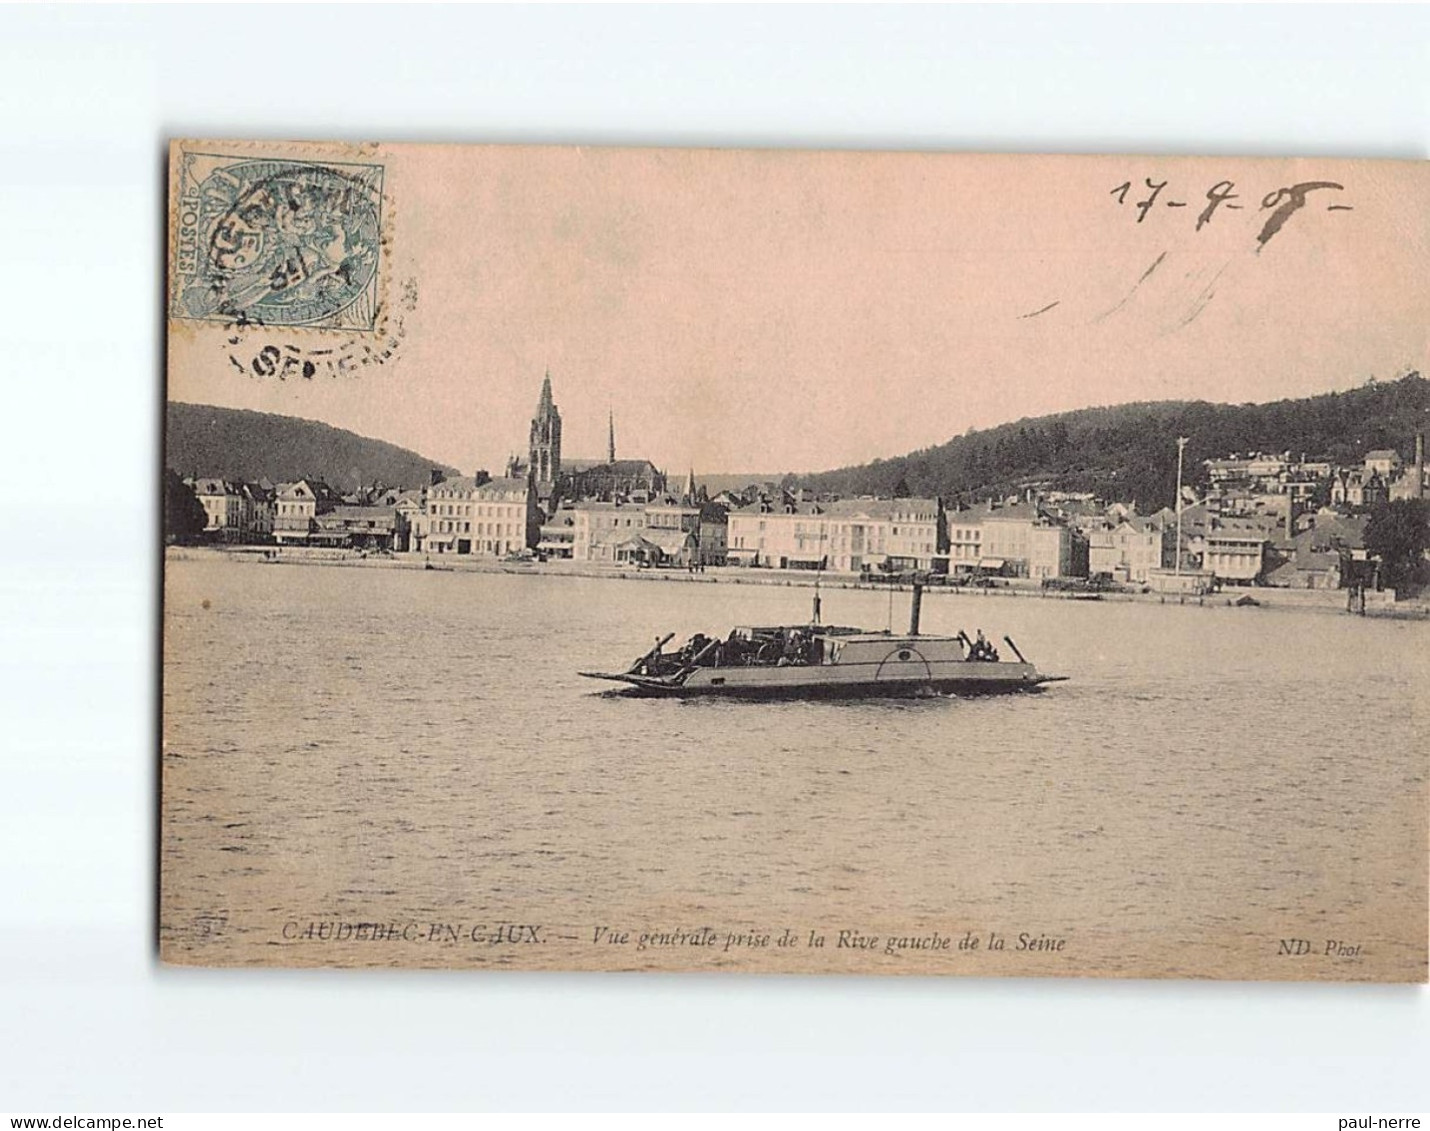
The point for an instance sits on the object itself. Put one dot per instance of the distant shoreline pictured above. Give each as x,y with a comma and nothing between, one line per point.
1296,600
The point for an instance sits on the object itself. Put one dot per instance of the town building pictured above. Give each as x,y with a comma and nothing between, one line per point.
848,535
1129,550
601,530
355,528
297,507
1313,560
1050,551
638,480
257,511
1232,551
408,508
665,531
557,537
1412,482
965,541
1359,487
714,533
1021,540
1384,462
475,514
223,508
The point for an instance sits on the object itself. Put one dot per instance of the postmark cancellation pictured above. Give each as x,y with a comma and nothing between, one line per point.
276,241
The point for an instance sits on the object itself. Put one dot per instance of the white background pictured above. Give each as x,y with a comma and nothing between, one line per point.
87,1018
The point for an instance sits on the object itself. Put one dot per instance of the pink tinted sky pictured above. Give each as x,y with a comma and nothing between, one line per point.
776,310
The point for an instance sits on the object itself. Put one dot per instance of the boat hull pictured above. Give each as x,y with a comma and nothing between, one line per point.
806,683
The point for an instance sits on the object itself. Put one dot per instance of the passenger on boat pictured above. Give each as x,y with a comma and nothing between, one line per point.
694,646
982,650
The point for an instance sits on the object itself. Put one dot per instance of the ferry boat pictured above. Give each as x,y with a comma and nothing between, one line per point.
814,660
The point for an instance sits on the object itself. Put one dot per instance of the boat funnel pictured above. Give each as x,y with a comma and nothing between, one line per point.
915,607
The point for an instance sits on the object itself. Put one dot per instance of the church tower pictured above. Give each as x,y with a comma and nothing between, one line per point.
546,438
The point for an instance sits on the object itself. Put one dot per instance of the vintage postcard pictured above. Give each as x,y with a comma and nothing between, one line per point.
795,562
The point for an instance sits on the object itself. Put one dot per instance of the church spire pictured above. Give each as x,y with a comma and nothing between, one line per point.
611,436
690,486
545,449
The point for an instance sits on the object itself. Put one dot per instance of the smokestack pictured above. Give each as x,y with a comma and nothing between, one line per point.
915,607
1420,465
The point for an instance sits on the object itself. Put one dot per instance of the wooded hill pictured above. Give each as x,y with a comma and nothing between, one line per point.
238,444
1129,453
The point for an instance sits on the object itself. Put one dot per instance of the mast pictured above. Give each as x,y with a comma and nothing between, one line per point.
1181,446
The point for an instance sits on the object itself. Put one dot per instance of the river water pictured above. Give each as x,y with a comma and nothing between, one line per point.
399,767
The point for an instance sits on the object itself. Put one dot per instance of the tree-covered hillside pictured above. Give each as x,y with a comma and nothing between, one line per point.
1129,453
236,444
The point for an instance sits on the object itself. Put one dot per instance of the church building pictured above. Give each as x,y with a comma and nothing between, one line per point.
632,480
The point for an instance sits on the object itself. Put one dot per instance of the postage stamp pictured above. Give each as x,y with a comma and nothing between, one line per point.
277,242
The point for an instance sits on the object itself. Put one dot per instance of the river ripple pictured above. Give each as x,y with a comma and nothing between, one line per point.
415,749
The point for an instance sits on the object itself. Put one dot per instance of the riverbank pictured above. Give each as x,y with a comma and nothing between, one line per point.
1323,601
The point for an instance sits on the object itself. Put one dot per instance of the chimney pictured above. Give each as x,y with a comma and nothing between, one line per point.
1420,465
915,607
481,477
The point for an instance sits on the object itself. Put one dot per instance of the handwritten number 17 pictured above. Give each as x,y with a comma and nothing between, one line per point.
1143,206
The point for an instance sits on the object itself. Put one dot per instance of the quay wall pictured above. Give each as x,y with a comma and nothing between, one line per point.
1308,600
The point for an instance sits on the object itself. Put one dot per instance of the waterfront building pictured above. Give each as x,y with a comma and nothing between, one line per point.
355,528
762,533
714,533
297,507
664,531
1233,551
1050,551
1307,569
557,539
895,534
848,535
1130,550
666,512
409,509
965,541
1009,538
223,508
778,535
599,527
481,516
256,512
674,526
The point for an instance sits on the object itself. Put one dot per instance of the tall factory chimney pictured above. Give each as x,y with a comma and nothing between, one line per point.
1420,465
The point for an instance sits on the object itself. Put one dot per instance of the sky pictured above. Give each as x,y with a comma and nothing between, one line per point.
770,311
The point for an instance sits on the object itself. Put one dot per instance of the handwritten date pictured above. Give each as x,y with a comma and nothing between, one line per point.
1279,205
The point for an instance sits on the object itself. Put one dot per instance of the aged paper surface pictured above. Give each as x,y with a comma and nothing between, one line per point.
613,376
